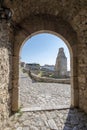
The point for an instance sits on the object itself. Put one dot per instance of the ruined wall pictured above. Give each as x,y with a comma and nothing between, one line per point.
48,80
61,63
5,73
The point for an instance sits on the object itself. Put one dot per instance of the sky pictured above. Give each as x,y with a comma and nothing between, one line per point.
43,49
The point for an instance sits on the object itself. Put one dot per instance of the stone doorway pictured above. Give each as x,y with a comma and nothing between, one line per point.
53,93
69,38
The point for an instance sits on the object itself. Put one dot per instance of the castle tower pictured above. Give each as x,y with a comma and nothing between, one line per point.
61,63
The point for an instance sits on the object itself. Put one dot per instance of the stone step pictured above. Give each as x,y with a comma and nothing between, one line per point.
60,107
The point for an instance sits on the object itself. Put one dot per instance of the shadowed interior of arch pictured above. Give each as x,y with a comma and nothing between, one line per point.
44,73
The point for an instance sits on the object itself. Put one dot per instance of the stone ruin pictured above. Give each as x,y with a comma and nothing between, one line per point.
61,64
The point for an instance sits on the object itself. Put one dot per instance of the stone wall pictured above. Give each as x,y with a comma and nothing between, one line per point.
48,80
82,75
81,29
32,17
5,73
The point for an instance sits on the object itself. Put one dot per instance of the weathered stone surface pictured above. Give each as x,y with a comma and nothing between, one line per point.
24,8
5,73
43,96
67,128
62,120
33,128
52,124
50,80
25,128
66,18
19,128
75,128
61,63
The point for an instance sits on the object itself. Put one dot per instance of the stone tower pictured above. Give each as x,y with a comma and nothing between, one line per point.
61,63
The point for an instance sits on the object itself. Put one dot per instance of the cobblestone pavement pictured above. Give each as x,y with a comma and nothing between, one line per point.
69,119
42,96
64,119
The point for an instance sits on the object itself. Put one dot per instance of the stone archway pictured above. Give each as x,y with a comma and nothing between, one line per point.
59,27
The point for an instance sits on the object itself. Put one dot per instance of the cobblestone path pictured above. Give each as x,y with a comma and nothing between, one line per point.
63,119
69,119
36,95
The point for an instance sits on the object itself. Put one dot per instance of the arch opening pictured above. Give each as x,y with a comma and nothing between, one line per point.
16,58
32,69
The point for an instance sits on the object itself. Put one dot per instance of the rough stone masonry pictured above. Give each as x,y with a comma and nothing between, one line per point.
65,18
5,73
61,63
